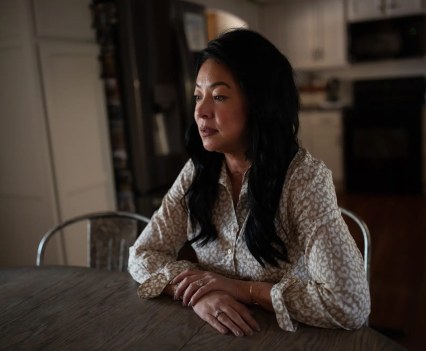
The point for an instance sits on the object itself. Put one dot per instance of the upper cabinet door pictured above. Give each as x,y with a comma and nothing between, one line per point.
289,26
310,33
361,10
332,33
63,19
404,7
365,9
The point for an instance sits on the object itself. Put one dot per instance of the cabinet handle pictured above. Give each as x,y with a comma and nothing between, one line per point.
393,5
382,6
314,54
317,54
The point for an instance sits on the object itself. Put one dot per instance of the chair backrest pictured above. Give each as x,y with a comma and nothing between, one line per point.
365,236
109,236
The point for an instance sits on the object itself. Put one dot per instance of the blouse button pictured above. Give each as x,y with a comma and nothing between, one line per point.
229,251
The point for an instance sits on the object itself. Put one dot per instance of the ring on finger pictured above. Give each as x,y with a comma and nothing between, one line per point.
218,313
200,283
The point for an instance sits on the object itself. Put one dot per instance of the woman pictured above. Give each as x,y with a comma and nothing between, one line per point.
259,211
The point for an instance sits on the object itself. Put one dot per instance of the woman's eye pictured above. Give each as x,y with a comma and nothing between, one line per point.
220,98
197,98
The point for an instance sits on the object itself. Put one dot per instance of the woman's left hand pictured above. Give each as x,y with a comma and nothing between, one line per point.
226,314
194,284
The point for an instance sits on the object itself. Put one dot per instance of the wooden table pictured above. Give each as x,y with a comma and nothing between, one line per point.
70,308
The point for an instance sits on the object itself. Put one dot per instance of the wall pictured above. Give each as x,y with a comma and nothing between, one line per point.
241,8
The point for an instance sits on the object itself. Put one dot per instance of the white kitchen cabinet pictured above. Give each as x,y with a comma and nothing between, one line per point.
310,33
321,133
360,10
54,155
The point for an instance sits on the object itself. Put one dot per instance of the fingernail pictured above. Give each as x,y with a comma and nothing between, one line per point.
258,328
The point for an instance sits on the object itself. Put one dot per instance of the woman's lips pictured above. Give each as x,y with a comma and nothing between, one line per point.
205,132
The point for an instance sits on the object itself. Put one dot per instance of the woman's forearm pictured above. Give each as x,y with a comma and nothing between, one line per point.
252,292
260,294
191,285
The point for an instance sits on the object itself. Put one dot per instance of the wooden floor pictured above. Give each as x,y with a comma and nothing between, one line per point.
398,267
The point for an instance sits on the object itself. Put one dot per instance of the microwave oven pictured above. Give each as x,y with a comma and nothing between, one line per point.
390,38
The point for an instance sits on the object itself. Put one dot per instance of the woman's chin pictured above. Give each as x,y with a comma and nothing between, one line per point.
210,147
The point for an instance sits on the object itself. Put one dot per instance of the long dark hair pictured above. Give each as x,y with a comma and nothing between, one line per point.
266,78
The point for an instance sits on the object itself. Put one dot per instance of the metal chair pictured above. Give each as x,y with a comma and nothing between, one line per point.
366,238
109,236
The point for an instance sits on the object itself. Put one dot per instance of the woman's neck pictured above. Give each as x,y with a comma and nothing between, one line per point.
236,168
237,165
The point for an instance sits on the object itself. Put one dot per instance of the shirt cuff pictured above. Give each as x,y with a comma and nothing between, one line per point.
155,284
278,302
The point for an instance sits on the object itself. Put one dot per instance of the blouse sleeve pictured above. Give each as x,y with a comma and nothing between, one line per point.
152,258
335,293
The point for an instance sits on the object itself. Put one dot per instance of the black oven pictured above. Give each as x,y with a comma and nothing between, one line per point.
383,136
390,38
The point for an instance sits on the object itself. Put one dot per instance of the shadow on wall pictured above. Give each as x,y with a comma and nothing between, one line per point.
219,21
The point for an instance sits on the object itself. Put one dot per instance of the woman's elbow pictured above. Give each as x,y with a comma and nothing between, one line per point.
356,313
134,266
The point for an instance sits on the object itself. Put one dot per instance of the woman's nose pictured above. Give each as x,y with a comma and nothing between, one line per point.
203,109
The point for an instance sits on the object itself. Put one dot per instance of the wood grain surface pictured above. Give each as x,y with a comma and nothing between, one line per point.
74,308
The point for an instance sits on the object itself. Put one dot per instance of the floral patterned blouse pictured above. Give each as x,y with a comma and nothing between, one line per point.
324,284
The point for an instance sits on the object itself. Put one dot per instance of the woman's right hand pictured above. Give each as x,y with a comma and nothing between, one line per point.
226,314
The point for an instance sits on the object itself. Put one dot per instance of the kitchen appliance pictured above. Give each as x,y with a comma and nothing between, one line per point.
147,52
383,136
390,38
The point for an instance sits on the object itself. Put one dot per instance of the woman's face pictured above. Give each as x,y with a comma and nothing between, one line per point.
220,110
